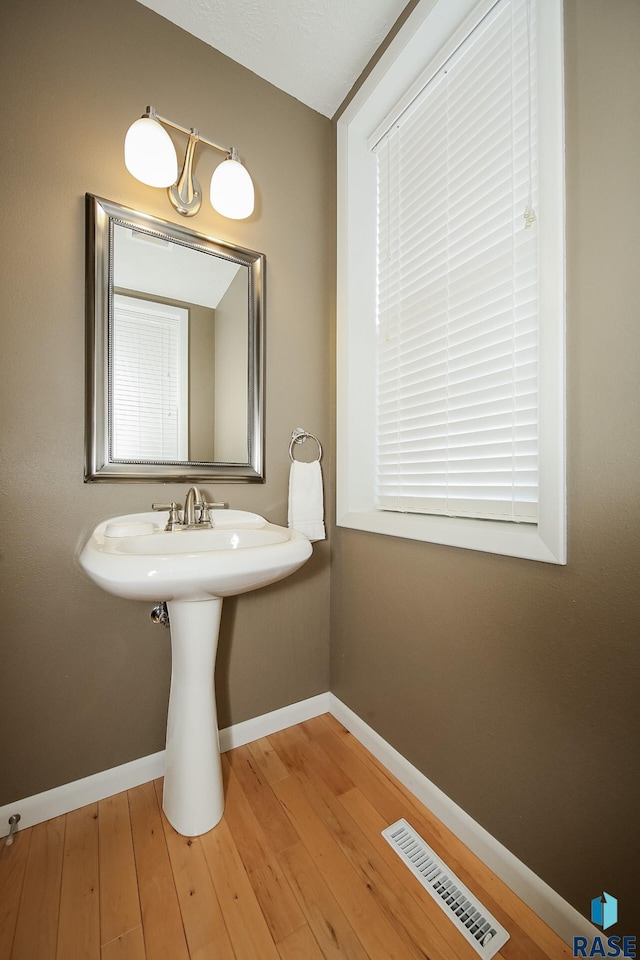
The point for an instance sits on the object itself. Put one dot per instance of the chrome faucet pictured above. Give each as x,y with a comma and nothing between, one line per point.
195,515
192,501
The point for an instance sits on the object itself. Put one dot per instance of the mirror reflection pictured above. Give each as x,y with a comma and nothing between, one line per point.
180,341
174,324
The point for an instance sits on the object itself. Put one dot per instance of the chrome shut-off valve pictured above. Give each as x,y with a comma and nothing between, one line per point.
160,614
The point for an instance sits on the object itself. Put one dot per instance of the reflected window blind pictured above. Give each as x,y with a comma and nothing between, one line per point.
148,371
457,354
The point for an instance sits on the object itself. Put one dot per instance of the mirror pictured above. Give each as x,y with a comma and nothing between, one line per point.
175,326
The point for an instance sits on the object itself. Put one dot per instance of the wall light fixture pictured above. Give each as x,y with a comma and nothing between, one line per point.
150,156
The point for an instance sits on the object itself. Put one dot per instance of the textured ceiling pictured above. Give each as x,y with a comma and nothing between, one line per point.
313,49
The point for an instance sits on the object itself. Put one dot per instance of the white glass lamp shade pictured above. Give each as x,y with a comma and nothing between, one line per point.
149,153
232,192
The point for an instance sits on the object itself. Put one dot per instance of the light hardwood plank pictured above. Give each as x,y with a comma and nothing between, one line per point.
268,760
300,945
13,864
383,793
298,748
275,823
37,927
128,946
372,927
119,900
279,906
332,931
242,915
79,925
204,925
161,919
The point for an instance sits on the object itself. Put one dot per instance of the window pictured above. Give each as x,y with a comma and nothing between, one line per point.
451,294
149,380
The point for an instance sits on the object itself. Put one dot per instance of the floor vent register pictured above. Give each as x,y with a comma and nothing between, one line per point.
474,922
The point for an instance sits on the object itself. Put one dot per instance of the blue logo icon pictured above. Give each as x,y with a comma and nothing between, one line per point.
604,911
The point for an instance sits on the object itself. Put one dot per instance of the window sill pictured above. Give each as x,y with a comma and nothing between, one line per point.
524,540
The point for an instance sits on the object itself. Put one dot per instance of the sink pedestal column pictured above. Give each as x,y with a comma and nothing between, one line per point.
193,797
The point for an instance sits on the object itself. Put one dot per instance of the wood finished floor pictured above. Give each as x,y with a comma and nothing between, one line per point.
296,870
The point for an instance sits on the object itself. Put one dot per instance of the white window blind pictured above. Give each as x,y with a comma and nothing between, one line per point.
457,345
149,382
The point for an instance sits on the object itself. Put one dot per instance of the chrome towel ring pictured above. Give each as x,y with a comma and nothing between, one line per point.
299,436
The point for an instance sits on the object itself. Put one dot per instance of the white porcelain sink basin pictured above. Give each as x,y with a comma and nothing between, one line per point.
132,556
192,570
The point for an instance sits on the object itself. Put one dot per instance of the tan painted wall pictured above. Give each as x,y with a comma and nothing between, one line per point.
85,676
513,685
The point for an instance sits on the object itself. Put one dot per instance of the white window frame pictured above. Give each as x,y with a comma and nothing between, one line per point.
432,26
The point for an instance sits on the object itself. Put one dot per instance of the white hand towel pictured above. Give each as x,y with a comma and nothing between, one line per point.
306,499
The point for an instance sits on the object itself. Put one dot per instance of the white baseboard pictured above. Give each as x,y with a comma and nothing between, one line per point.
249,730
71,796
552,908
538,895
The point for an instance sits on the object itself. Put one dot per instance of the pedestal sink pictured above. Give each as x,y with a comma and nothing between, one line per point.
192,570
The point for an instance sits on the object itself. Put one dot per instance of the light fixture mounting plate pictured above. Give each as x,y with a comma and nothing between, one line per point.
188,208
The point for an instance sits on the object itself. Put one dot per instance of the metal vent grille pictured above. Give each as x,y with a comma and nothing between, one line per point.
474,922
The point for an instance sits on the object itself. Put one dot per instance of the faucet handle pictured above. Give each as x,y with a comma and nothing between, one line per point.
205,517
174,513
